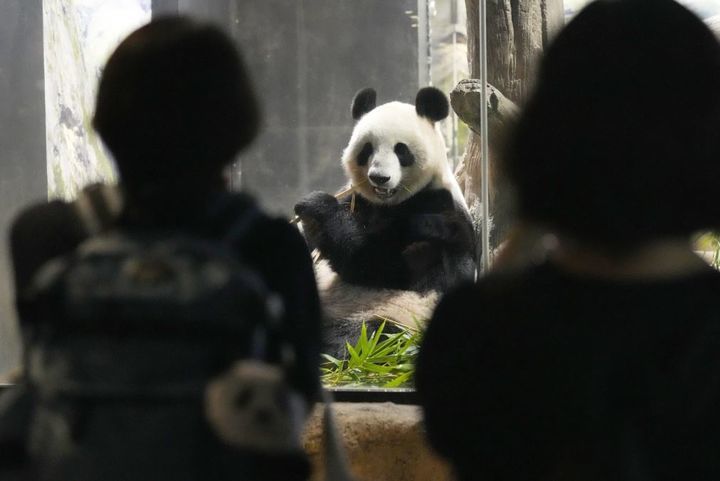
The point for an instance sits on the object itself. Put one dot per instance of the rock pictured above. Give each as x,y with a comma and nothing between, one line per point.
384,442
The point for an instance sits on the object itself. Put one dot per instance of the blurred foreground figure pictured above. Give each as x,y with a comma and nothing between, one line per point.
124,332
602,361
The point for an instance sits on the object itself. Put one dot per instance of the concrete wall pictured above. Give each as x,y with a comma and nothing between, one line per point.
308,58
164,7
22,140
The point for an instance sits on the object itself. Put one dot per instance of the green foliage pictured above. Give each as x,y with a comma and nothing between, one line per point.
380,359
709,244
715,261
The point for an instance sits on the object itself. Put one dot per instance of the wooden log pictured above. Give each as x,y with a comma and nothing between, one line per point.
502,112
465,100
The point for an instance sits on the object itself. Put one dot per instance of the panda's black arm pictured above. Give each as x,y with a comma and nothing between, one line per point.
426,252
441,252
360,256
339,236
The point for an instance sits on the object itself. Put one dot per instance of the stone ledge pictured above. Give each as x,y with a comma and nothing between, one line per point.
384,442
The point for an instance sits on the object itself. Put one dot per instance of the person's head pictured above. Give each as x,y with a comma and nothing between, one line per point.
175,102
618,145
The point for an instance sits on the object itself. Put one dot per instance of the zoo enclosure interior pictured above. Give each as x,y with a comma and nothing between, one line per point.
308,58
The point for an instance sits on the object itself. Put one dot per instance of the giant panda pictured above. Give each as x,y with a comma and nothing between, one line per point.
403,236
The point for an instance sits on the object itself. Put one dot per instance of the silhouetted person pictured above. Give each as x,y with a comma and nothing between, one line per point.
174,107
602,361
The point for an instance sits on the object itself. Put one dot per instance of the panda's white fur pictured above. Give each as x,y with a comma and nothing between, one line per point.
384,127
357,303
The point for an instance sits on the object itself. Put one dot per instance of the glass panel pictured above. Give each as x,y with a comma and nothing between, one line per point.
308,59
517,32
22,148
708,244
449,64
513,54
51,53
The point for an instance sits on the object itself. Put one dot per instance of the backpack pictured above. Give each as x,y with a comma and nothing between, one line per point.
124,335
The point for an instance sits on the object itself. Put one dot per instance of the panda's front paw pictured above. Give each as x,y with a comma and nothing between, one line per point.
316,206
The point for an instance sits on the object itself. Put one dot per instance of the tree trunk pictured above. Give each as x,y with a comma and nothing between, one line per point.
517,32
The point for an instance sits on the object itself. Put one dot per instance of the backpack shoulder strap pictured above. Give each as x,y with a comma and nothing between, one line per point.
97,206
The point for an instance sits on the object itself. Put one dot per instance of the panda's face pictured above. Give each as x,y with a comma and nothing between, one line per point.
383,164
393,153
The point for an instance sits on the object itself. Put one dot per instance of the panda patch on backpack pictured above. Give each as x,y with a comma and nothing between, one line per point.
403,235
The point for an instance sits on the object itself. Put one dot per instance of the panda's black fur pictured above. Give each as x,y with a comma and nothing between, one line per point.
424,243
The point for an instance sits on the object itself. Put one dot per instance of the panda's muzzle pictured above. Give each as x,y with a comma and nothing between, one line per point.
376,181
384,193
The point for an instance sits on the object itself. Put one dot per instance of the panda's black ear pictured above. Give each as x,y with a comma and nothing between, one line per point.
432,104
363,102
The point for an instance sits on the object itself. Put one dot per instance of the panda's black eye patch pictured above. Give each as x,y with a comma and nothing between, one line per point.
404,155
365,153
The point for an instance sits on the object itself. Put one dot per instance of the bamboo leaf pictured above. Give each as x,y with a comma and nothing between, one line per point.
378,369
375,359
363,341
399,380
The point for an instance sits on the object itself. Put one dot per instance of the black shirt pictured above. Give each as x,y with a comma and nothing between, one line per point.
541,374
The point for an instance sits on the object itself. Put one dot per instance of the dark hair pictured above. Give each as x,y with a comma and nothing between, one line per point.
618,144
175,101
